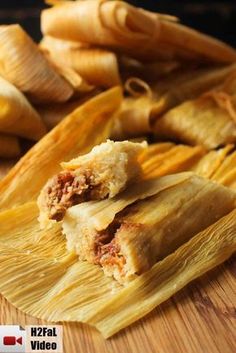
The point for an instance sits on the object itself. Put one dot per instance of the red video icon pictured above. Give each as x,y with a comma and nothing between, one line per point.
11,340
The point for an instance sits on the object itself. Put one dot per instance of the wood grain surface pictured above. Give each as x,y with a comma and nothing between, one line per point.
201,318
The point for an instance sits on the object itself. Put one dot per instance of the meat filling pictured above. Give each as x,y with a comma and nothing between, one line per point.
107,249
68,189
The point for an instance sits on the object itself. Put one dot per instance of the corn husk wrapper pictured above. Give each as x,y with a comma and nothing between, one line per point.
147,230
9,146
211,162
99,67
23,64
17,116
136,32
39,277
87,126
200,122
226,173
176,159
133,118
189,83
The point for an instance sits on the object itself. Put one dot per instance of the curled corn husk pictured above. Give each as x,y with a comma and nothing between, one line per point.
99,67
136,32
41,278
17,116
22,63
87,126
9,146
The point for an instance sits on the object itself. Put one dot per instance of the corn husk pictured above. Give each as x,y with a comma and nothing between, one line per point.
176,159
225,174
133,31
199,121
147,230
17,116
99,67
22,64
9,146
87,126
41,278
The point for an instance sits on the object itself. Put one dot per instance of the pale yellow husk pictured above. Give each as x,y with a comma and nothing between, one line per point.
122,27
9,146
17,116
86,127
22,63
39,277
99,67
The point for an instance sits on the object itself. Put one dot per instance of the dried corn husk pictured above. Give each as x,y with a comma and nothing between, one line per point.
17,116
87,126
199,121
9,146
138,33
39,277
136,237
22,64
99,67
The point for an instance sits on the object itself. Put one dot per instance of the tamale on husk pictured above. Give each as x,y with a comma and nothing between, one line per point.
102,173
9,146
22,64
42,279
99,67
133,235
134,31
199,121
17,116
87,126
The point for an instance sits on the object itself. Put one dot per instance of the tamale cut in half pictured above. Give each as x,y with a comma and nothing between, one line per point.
129,233
103,172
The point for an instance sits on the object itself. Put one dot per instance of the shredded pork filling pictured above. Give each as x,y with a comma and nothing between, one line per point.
68,189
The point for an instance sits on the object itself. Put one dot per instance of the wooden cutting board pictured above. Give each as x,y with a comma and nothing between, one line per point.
201,318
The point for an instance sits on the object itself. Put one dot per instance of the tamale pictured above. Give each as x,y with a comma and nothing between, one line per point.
133,236
141,34
199,121
17,116
9,146
105,171
88,125
99,67
22,63
224,173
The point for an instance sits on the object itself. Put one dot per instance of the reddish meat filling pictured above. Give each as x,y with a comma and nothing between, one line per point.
68,189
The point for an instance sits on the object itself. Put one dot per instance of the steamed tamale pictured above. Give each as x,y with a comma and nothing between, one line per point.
22,63
199,121
133,234
133,31
9,146
17,116
99,67
88,125
103,172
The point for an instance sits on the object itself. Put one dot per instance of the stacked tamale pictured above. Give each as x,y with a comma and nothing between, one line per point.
130,193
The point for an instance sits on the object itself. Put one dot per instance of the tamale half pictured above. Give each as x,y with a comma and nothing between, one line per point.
17,116
22,63
105,171
84,128
132,235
